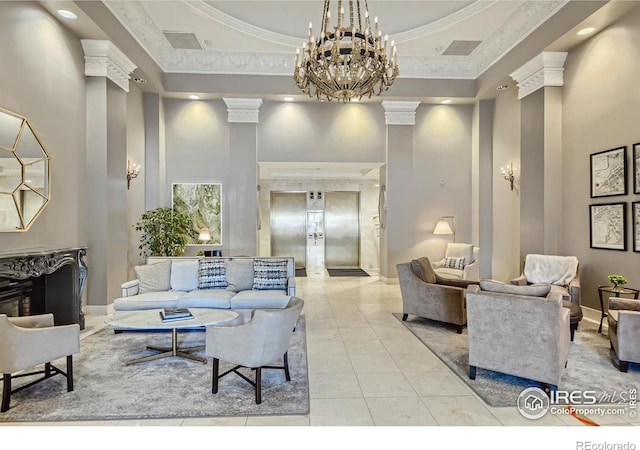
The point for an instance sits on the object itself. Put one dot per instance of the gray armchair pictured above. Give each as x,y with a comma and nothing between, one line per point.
504,338
254,344
624,331
426,294
29,341
562,273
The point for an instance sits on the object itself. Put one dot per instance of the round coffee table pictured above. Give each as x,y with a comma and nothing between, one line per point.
150,320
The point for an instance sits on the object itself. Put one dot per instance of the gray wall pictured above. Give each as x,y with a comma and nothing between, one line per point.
601,103
42,78
136,154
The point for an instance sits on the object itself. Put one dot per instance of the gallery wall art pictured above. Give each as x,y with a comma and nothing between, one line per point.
203,203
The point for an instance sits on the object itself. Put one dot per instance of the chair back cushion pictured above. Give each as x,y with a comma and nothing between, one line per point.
239,274
424,270
460,251
184,275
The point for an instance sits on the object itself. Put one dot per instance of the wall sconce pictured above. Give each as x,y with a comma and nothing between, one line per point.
205,236
443,226
132,172
507,174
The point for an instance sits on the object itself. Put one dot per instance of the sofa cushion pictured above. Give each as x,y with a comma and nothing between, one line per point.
451,262
260,299
150,300
206,298
445,272
239,274
154,277
423,269
184,275
532,290
212,274
269,274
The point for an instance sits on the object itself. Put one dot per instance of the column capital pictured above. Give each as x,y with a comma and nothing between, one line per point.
243,110
546,69
103,59
400,113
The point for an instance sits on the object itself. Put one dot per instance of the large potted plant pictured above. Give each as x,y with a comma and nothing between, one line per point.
165,232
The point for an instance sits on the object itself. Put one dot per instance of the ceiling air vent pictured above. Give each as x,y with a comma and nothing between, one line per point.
182,40
461,48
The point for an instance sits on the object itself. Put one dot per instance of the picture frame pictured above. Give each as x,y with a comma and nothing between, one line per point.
636,168
607,226
202,202
635,214
609,172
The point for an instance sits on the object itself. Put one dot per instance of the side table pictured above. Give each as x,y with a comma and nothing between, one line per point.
617,293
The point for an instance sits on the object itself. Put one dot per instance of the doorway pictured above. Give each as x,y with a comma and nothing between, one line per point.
288,225
342,229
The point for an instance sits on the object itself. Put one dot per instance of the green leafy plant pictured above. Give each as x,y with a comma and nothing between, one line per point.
165,232
617,280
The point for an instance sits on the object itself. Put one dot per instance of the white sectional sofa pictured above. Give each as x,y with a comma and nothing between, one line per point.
238,283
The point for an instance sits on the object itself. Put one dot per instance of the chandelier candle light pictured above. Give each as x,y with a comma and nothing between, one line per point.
349,60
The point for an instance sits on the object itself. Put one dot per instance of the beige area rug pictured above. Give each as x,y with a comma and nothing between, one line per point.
589,365
105,388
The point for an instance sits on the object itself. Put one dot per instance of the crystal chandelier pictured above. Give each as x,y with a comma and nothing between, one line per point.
348,60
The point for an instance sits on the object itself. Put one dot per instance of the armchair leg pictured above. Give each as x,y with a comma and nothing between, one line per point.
6,392
622,366
573,327
259,385
460,328
69,373
404,317
472,372
286,366
216,368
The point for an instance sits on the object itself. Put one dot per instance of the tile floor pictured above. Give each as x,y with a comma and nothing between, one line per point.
367,369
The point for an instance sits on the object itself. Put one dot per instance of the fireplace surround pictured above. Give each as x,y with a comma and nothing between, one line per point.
46,281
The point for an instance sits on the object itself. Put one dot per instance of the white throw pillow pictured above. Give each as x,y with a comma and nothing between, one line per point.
184,275
153,277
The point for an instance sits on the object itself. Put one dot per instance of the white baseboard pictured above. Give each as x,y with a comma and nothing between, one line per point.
593,315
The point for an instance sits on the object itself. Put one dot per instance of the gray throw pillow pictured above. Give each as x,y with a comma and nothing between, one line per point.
532,290
154,277
239,274
428,275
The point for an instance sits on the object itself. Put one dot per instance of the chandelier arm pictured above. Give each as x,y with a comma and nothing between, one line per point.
325,20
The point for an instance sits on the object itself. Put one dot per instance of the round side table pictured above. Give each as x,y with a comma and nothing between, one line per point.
617,293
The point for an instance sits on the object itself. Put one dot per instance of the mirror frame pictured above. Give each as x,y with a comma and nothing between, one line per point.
46,195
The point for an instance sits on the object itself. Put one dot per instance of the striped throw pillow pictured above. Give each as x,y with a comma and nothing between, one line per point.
269,274
453,263
212,274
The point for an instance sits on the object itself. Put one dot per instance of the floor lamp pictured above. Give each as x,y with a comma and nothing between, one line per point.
443,226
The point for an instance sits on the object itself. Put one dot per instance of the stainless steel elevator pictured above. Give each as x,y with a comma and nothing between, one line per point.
342,229
288,214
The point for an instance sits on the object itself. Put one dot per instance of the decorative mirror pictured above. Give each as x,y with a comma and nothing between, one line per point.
24,173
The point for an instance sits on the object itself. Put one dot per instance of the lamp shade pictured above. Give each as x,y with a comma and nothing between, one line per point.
442,227
204,234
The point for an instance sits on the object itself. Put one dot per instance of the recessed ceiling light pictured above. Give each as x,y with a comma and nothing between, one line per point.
502,87
194,97
586,31
67,14
139,80
445,102
288,99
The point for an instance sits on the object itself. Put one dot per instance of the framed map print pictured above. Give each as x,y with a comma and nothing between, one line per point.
607,226
609,172
636,168
635,206
203,204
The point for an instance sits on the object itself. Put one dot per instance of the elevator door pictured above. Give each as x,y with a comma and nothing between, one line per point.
342,229
288,225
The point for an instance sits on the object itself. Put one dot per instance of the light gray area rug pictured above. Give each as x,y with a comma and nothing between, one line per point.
105,388
589,365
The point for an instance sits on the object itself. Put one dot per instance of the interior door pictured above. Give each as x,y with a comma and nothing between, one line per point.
288,225
342,229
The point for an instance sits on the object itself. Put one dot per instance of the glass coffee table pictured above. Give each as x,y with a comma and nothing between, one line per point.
150,320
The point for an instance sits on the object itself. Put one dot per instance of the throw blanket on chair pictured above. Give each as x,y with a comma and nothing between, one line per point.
550,269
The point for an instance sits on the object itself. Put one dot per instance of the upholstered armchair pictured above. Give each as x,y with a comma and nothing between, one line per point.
262,340
624,331
504,338
426,294
460,262
26,342
562,273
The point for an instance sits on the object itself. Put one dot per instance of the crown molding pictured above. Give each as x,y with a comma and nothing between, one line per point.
103,59
400,113
546,69
243,110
